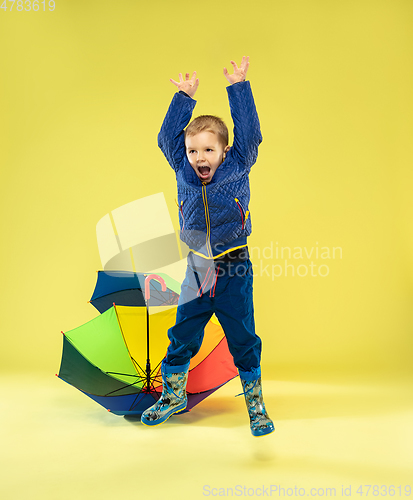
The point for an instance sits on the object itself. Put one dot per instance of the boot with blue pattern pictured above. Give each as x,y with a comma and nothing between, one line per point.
172,400
260,421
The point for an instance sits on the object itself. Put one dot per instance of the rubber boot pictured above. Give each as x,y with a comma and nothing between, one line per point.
260,421
173,399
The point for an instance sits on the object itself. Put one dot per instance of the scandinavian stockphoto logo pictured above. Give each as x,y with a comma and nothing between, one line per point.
276,261
139,237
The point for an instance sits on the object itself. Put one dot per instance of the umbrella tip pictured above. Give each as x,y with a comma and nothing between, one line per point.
108,410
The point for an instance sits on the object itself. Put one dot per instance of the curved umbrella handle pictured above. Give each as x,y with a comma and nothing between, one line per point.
147,284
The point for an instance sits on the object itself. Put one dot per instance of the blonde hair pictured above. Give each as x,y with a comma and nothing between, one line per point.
208,123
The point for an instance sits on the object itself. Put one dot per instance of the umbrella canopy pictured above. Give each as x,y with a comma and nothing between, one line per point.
127,288
106,357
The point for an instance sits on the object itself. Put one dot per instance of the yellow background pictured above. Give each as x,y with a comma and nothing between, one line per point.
83,91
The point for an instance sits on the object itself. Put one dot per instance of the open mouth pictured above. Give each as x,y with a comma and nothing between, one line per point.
204,172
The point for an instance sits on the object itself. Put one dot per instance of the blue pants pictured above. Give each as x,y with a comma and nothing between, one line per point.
226,290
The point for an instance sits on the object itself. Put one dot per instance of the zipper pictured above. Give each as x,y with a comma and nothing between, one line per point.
182,213
208,223
181,208
243,217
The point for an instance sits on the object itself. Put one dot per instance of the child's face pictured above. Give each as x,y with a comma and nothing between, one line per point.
205,154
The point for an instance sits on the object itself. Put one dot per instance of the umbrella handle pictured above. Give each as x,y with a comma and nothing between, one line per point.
147,283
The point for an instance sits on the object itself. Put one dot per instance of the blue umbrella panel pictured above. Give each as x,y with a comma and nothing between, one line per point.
127,288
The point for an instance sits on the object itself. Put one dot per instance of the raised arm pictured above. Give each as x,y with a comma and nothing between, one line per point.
240,74
171,136
189,85
247,132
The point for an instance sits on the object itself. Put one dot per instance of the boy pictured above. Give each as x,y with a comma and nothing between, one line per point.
213,196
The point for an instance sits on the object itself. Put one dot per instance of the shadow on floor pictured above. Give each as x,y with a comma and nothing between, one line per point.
311,401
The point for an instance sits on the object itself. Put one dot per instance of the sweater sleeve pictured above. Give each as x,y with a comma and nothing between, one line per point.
247,132
171,136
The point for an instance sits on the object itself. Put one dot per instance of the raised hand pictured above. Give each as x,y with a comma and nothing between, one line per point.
239,73
189,85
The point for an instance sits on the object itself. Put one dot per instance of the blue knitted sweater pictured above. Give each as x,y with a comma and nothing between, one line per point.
214,218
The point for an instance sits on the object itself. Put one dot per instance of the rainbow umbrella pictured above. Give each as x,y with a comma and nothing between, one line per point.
108,358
